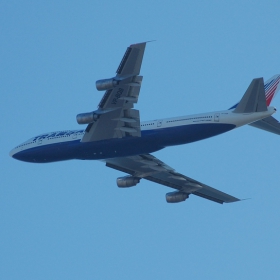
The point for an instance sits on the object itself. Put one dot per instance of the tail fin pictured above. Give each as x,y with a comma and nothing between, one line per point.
271,88
270,124
254,98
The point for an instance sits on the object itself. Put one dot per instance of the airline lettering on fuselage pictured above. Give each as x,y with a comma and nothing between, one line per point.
57,134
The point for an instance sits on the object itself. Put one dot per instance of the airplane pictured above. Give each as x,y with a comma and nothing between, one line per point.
115,135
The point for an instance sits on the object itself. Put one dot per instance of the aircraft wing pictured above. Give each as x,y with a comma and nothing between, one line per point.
115,117
150,168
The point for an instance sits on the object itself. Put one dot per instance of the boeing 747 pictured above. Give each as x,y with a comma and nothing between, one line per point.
115,135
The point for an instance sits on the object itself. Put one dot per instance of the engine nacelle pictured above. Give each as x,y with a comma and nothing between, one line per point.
86,118
177,196
127,181
106,84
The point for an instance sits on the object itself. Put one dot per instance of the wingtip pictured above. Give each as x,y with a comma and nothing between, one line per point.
133,45
245,199
241,199
233,199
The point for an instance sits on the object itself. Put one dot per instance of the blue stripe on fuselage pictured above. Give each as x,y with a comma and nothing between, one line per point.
150,141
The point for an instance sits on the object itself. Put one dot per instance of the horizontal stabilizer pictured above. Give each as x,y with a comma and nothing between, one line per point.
269,124
254,98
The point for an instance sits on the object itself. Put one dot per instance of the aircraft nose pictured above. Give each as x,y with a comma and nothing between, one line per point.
19,155
16,154
12,153
22,155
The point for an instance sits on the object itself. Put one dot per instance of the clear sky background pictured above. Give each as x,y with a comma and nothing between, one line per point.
69,220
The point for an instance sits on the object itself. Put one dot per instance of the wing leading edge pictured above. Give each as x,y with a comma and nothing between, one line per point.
150,168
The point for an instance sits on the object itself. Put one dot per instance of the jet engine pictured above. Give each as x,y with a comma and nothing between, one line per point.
127,181
174,197
86,118
106,84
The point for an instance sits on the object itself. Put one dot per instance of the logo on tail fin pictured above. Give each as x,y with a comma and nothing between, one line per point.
271,88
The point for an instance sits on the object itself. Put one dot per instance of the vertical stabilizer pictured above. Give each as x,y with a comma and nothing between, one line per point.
254,98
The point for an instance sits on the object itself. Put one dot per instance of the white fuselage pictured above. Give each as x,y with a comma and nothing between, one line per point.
160,129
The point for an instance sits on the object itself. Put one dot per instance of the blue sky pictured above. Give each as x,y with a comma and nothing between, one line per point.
68,220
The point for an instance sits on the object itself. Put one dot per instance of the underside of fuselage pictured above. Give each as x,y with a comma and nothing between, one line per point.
149,142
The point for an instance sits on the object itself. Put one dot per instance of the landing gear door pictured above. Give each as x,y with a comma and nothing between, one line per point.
217,117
